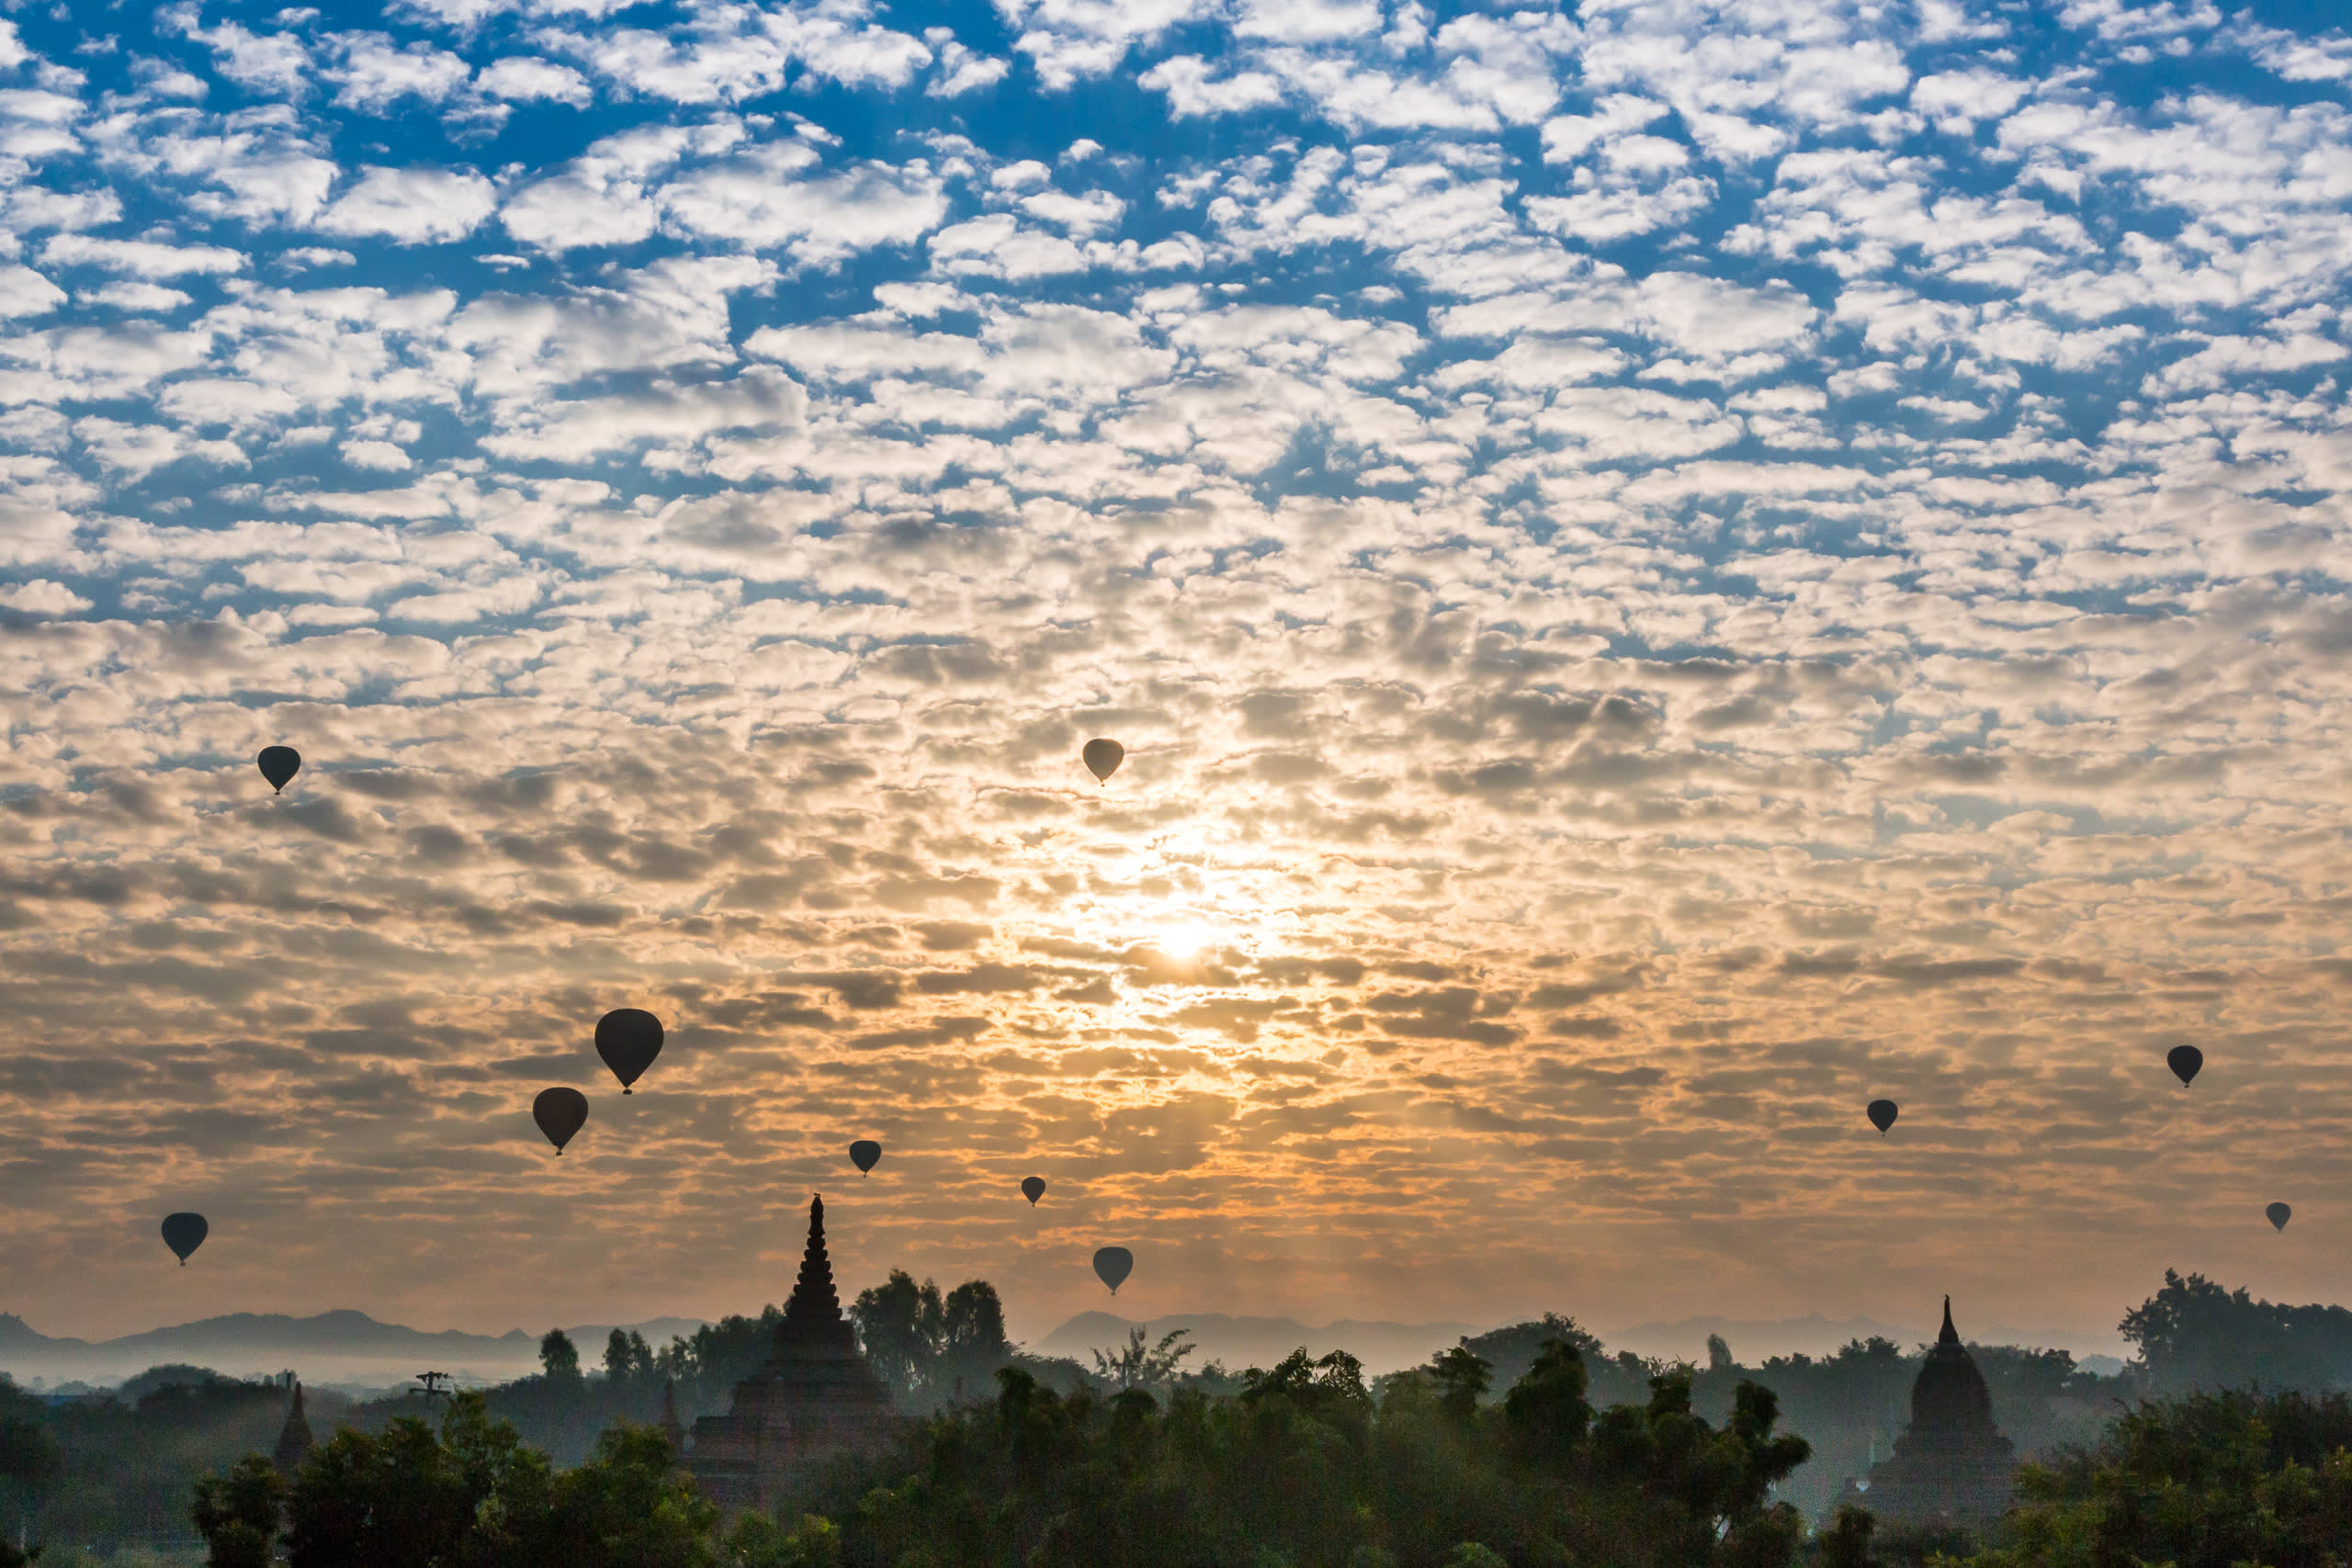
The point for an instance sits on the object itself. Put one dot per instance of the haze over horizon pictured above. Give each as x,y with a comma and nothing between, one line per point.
1664,572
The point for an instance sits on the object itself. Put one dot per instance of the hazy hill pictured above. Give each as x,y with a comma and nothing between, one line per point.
332,1347
1242,1342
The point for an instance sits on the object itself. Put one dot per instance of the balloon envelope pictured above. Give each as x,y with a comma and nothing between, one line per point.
628,1039
1882,1114
2279,1214
1102,757
2184,1061
1113,1265
865,1153
279,764
1033,1188
183,1233
560,1113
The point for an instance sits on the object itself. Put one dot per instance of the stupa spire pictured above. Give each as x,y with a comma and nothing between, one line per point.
813,1316
1949,1335
294,1440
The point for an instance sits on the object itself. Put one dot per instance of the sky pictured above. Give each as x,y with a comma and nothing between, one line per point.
1665,570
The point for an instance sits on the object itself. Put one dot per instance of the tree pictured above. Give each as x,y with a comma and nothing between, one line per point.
1140,1364
238,1514
558,1357
627,1358
1461,1380
900,1325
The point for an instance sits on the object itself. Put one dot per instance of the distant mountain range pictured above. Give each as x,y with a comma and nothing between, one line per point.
343,1347
351,1348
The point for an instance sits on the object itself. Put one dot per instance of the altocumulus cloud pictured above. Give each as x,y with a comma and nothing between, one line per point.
1663,572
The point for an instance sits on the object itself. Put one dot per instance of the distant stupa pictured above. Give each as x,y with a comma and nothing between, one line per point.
1951,1465
294,1440
813,1398
668,1426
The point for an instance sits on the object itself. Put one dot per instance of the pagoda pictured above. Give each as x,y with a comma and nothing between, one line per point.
1951,1465
294,1440
813,1398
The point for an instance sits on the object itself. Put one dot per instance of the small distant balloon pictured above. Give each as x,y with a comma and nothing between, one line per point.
560,1113
183,1233
628,1039
279,764
1113,1265
1882,1114
1033,1188
865,1153
2279,1214
2184,1061
1102,758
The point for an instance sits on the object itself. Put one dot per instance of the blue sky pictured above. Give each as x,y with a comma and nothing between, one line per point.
1665,570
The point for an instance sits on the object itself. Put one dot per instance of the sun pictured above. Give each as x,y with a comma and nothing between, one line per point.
1186,938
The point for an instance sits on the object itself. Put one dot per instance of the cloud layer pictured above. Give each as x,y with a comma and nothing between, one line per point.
1664,573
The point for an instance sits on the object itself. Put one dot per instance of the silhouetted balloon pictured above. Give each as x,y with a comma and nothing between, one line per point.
2279,1214
560,1113
865,1153
279,764
628,1039
1882,1114
1033,1188
1113,1265
2184,1061
1102,757
183,1233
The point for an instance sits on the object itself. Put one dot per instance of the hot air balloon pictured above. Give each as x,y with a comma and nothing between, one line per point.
1882,1114
279,764
865,1153
2279,1214
1033,1188
1113,1265
560,1113
183,1233
2184,1061
1102,758
628,1039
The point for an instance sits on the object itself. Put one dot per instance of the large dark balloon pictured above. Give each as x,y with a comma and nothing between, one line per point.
2184,1061
628,1039
1882,1114
1113,1265
865,1153
183,1233
1102,757
560,1113
1033,1188
279,764
2279,1214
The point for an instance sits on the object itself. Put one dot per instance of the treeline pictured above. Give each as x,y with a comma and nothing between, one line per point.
1305,1465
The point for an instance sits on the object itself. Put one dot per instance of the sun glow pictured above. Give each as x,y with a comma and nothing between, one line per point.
1186,938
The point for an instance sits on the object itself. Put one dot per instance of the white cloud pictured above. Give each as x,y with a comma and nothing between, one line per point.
412,207
771,198
42,597
139,258
1185,79
526,79
375,74
24,292
1070,39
